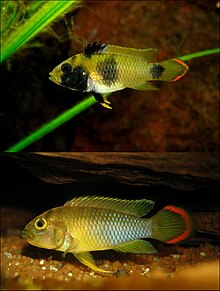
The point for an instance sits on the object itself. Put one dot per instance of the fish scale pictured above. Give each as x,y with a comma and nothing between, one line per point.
119,66
117,227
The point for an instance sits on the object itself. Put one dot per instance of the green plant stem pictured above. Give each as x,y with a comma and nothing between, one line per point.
200,54
77,109
50,126
33,25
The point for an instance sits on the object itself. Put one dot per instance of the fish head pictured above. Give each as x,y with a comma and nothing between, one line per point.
71,74
45,231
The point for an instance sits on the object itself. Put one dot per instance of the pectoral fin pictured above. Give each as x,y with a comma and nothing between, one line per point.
136,247
102,99
87,259
69,245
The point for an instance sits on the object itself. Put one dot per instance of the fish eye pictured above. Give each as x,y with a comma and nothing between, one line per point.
40,223
66,68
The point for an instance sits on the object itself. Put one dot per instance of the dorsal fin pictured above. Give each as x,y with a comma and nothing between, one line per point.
147,54
135,207
90,49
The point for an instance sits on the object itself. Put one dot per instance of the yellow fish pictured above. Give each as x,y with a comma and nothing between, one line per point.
103,69
94,223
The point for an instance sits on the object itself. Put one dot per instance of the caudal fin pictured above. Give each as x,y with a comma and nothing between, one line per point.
173,70
171,225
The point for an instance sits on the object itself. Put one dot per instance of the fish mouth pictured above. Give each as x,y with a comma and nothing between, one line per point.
26,235
54,78
51,78
23,234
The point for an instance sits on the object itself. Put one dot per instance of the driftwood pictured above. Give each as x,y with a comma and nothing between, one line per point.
186,171
188,179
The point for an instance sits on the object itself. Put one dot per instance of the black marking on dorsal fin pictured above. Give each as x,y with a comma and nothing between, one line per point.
94,48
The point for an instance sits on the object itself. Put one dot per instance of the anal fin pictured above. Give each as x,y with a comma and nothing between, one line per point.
136,247
87,259
145,86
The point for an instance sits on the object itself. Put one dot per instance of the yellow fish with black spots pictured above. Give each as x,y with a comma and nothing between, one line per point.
93,223
103,69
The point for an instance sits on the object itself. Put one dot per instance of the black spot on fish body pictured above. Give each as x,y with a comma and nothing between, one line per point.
108,69
94,48
77,79
156,71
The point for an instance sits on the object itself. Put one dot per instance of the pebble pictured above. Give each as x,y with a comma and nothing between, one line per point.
122,272
116,265
41,262
16,274
43,268
52,268
202,254
145,271
70,274
175,256
8,255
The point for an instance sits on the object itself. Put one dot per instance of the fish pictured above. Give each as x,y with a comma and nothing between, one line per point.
95,223
104,68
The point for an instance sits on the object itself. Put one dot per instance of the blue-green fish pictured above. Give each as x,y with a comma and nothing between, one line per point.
93,223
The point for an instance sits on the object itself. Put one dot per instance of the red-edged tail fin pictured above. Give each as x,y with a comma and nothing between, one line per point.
171,225
174,70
